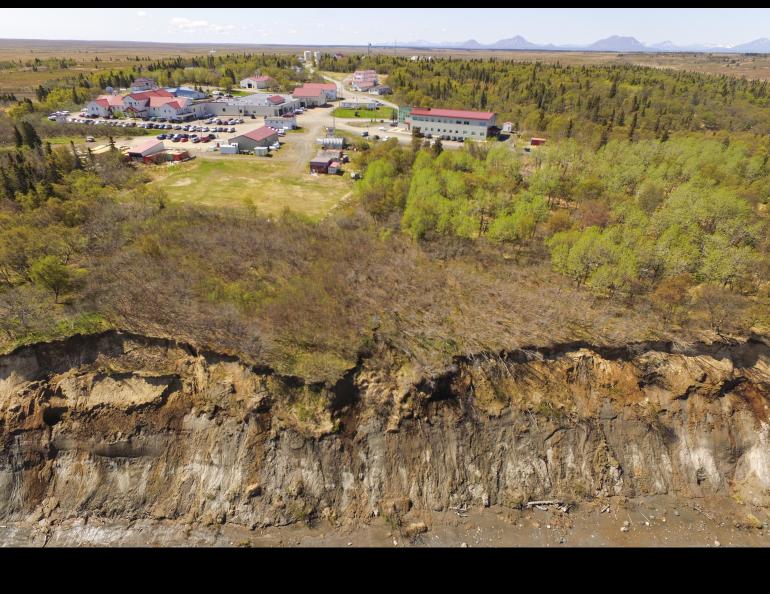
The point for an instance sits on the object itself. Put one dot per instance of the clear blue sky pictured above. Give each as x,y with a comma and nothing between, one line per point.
360,26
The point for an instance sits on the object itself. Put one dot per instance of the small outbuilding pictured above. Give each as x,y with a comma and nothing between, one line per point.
324,161
146,149
380,90
258,82
281,121
536,141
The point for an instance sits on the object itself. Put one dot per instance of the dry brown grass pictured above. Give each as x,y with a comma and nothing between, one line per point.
310,299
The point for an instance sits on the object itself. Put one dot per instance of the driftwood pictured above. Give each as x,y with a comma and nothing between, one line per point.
543,505
698,508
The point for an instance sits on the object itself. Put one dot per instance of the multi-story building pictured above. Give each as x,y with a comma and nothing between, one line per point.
104,105
451,124
156,103
364,80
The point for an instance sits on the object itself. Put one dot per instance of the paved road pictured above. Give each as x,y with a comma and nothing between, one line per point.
342,92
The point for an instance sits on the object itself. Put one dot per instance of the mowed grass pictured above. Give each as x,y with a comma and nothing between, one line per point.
269,184
381,113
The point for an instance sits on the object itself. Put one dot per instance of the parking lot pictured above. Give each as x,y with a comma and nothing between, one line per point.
203,134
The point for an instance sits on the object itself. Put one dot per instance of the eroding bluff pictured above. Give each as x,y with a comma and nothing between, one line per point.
131,427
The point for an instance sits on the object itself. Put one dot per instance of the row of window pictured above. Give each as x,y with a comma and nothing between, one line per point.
450,132
442,121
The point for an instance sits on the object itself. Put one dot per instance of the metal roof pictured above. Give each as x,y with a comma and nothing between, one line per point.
452,113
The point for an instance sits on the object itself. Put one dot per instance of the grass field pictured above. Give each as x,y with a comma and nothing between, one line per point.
271,185
381,113
116,54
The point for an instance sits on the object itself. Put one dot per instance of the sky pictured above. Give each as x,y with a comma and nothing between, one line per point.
354,26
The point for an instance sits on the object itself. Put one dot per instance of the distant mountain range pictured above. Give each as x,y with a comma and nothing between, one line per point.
616,43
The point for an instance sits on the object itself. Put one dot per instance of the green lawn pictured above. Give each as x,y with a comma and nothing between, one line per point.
381,113
270,184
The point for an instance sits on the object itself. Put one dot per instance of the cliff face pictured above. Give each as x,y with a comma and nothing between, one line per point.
128,427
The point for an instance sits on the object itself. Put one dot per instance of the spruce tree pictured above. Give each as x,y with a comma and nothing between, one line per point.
29,135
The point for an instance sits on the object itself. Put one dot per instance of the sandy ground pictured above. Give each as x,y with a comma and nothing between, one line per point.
650,522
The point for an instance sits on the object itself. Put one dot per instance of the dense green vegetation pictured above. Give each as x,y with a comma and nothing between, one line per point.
646,218
593,104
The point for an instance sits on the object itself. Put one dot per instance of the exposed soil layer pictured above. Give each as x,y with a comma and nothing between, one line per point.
125,439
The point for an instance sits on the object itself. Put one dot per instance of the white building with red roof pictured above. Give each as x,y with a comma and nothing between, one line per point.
156,103
451,124
315,94
104,105
258,82
330,89
250,140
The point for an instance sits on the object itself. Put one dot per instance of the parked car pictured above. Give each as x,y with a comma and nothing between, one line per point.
161,137
89,139
365,133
